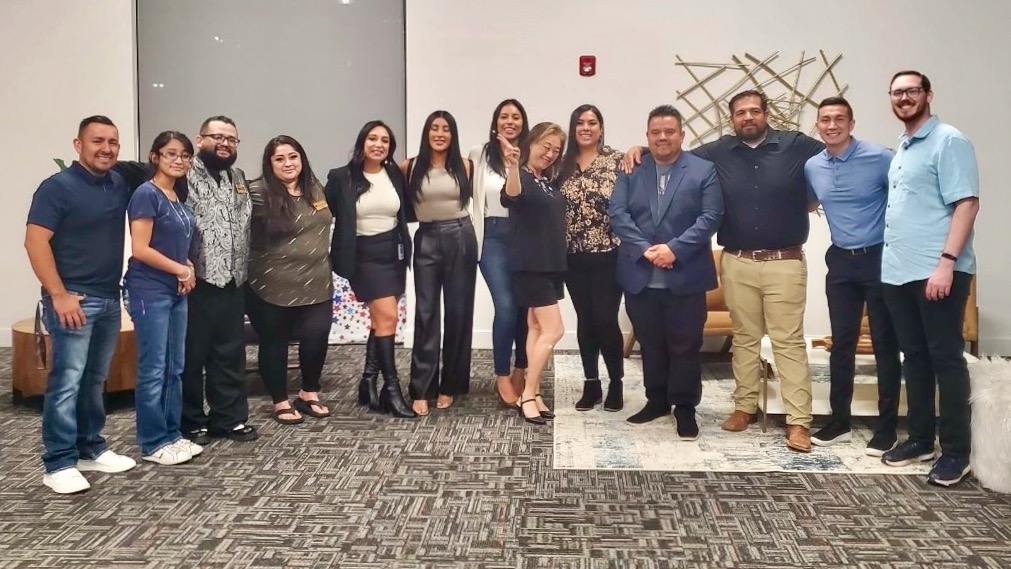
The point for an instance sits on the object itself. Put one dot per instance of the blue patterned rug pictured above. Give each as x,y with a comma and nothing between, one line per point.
602,440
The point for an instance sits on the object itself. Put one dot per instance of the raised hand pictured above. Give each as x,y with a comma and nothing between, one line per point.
510,153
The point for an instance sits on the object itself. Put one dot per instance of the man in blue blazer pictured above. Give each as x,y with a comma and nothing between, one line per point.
665,213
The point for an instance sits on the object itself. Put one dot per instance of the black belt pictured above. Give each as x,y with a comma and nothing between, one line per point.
860,250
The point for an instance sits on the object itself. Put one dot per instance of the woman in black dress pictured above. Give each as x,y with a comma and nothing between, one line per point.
371,248
537,251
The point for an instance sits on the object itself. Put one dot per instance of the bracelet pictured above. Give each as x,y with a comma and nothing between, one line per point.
950,257
189,275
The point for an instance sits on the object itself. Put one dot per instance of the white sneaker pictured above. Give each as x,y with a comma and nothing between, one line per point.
66,481
193,448
108,461
169,455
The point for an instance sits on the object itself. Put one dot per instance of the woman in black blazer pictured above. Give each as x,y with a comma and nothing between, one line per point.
371,248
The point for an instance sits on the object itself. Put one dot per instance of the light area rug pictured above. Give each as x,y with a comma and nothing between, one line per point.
601,440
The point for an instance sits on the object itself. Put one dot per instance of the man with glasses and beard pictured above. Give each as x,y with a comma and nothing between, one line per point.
927,268
215,331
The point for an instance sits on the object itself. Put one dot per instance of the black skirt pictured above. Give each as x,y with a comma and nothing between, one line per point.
380,270
534,289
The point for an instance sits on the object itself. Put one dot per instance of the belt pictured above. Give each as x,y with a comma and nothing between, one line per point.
790,253
458,222
859,250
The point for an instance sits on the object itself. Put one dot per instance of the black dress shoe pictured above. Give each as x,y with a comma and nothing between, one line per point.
198,436
685,423
650,412
241,433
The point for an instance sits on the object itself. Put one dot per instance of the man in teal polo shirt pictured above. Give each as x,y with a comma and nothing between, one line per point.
927,266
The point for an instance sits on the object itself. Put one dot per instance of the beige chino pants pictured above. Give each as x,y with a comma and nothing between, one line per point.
769,297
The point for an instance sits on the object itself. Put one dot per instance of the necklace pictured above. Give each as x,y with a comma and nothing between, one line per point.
179,210
541,182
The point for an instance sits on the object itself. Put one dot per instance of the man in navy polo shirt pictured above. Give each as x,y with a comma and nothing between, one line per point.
74,240
927,268
850,179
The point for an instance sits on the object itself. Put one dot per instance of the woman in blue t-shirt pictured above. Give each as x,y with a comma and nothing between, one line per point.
158,277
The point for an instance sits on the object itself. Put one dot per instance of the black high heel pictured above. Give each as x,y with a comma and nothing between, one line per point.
546,414
538,420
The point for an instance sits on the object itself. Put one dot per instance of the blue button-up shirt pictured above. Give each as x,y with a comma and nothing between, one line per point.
853,190
933,169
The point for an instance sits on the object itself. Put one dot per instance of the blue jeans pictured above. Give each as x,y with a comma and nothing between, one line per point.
510,322
73,412
160,324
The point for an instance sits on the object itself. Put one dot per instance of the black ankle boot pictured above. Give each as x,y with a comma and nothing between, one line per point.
615,399
591,395
391,399
368,387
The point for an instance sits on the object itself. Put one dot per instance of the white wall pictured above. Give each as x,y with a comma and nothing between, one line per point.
63,60
466,56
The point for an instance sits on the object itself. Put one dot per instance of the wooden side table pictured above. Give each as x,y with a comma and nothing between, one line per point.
28,380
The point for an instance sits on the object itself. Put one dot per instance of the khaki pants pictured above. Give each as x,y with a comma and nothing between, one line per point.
769,297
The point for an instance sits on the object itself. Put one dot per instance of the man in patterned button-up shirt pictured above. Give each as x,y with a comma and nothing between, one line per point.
215,336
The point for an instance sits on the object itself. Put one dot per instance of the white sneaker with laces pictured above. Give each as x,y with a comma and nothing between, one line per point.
108,461
169,455
66,481
193,448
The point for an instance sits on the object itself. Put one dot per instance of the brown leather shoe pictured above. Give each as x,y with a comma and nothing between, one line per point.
739,421
798,438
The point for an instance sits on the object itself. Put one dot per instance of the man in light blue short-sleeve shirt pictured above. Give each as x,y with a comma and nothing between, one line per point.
927,267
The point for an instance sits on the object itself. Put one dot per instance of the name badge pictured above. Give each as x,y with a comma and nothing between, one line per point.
240,188
319,205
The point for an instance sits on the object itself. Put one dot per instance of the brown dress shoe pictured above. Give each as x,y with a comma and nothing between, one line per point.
739,421
798,438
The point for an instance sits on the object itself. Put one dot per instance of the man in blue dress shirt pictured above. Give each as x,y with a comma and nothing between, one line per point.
927,267
850,179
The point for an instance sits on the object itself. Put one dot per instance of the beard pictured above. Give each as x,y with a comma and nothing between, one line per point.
216,163
758,135
913,118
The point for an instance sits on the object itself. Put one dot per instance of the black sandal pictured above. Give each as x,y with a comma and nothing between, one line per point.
546,414
278,413
306,407
538,420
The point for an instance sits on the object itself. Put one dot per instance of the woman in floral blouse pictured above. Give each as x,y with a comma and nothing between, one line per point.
589,170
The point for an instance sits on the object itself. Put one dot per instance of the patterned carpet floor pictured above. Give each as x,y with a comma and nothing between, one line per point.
469,487
602,440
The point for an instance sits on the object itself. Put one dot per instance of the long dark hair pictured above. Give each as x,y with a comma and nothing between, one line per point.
454,160
279,204
162,140
493,149
181,187
572,152
356,165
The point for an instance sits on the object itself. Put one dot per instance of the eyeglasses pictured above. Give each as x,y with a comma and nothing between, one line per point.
173,156
912,92
222,139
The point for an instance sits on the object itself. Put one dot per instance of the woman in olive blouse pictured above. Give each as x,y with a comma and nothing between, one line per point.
289,293
589,170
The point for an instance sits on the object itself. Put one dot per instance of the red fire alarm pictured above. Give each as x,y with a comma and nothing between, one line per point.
587,65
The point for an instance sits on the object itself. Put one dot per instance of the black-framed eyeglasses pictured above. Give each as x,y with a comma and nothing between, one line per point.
173,156
911,92
222,139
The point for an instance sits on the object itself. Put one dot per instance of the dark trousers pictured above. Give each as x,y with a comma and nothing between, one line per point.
669,330
445,272
930,337
509,325
853,279
215,343
276,326
596,297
